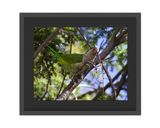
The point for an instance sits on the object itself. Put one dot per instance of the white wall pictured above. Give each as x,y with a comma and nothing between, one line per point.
9,64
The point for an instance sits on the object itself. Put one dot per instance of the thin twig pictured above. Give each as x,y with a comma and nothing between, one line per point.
109,77
87,42
46,89
101,46
70,51
61,86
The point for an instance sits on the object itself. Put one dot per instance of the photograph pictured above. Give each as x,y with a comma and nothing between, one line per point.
80,63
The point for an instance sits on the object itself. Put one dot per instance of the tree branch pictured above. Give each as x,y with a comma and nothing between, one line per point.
117,75
108,84
45,43
109,77
121,82
78,77
110,80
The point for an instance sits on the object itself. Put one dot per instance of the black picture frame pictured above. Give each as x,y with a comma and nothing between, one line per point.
30,107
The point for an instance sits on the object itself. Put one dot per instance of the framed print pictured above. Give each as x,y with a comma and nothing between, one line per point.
80,64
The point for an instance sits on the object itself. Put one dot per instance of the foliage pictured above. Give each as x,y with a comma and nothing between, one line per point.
60,60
